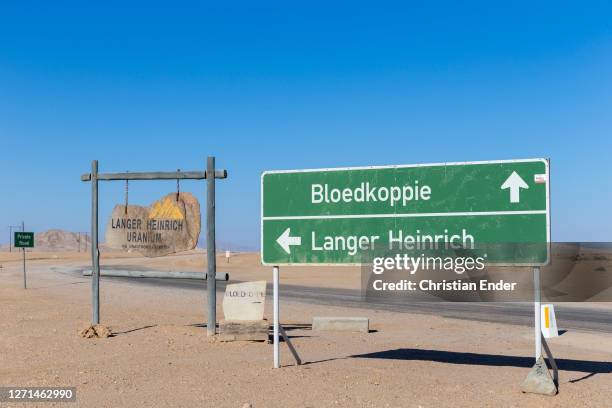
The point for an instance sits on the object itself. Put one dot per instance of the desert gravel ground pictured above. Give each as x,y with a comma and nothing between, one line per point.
160,355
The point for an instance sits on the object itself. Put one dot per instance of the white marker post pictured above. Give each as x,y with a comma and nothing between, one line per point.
276,317
549,322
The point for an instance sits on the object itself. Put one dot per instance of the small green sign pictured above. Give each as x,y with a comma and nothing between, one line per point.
24,240
333,216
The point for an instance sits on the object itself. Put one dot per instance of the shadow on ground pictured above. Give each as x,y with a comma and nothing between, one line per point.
296,326
452,357
133,330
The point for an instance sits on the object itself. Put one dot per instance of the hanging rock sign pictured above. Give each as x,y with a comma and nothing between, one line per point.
169,225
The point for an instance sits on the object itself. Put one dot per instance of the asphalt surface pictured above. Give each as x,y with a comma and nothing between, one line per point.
569,317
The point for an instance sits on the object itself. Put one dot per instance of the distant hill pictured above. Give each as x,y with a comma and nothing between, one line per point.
60,240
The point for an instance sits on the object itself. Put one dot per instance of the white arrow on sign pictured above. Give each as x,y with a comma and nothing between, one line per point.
285,240
514,183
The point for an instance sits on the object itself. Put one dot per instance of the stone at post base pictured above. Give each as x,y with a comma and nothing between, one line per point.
539,380
243,330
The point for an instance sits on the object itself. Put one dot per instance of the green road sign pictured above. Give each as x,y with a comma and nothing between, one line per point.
24,240
334,216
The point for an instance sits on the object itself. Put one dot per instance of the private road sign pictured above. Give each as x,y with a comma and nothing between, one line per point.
24,240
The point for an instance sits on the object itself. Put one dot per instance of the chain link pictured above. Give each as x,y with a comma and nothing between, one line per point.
178,187
126,195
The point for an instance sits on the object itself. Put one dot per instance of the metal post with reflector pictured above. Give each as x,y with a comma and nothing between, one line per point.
549,322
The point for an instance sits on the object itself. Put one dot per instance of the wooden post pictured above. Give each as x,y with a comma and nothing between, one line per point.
95,253
211,281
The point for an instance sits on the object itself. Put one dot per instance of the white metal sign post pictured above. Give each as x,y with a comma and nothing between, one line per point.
277,328
538,317
276,317
540,341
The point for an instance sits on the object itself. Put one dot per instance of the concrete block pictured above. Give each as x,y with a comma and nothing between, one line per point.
352,324
539,380
243,330
244,301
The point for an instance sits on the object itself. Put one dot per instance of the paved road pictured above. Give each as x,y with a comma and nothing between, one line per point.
568,317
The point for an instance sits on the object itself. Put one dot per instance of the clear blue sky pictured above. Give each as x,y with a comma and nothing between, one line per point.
150,87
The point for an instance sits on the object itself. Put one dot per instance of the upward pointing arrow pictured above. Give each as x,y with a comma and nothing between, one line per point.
285,240
514,183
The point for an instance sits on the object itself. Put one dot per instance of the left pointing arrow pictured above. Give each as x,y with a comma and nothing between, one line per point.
285,240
